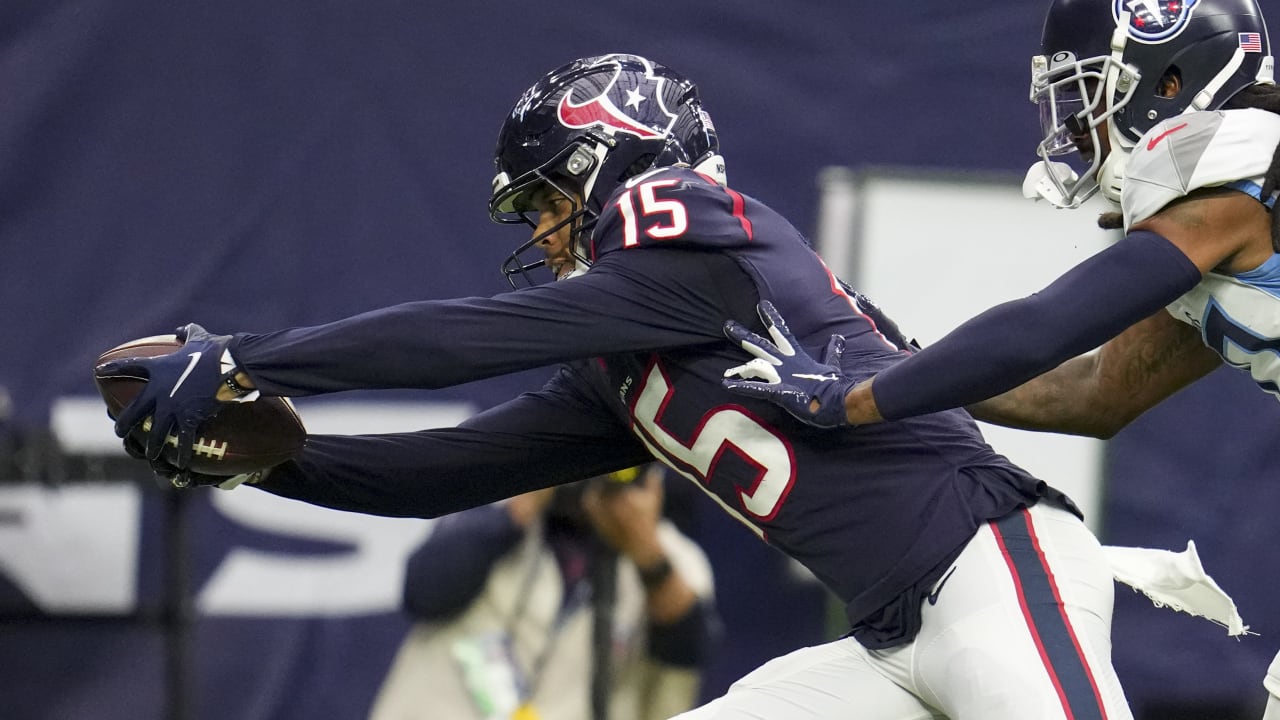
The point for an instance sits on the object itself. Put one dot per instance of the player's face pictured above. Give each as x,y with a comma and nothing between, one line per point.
555,223
1084,140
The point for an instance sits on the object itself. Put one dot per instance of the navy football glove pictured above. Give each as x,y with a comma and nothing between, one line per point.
179,395
784,374
179,478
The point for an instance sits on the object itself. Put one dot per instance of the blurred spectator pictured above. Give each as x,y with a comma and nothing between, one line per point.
512,600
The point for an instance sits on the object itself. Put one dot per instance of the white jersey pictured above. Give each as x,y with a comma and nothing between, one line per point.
1237,315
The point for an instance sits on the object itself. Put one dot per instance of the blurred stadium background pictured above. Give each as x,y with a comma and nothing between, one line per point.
253,165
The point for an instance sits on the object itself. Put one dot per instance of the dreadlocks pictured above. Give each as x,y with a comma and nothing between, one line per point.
1264,97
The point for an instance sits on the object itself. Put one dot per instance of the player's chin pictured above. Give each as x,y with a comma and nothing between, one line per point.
564,271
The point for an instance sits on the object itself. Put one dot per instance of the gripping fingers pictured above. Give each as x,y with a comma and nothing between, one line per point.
134,413
123,367
835,349
157,436
758,390
187,428
751,342
186,444
778,330
757,369
130,417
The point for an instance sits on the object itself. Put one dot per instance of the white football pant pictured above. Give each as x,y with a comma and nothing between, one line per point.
1272,683
1021,631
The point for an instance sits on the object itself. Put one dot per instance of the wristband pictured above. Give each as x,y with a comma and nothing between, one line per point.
235,387
653,576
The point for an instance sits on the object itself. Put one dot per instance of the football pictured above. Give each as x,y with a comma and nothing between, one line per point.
240,438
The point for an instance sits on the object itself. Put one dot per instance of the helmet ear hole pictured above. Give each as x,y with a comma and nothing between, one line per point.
1170,83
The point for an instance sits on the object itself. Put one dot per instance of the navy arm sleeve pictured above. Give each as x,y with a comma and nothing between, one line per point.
450,568
1011,343
554,436
651,299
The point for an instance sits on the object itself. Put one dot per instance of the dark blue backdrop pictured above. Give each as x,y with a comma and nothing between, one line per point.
253,165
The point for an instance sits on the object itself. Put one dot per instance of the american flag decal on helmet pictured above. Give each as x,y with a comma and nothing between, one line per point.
1251,42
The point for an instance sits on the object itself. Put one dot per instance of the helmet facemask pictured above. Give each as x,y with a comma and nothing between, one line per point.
1078,98
1125,53
571,174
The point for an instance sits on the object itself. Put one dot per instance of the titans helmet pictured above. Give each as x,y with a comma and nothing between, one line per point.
585,128
1102,69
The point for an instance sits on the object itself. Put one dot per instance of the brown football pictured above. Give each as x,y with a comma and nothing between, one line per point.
240,438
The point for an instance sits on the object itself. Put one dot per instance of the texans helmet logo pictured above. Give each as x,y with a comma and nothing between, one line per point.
1154,21
631,103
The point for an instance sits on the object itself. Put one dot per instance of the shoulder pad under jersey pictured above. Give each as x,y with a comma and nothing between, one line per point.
1197,150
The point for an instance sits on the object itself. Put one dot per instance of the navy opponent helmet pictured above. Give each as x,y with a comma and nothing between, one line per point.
585,128
1104,63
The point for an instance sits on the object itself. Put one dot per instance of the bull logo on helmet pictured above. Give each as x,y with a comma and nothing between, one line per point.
630,103
1154,21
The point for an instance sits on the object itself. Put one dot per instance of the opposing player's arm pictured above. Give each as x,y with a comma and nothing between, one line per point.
1099,393
1160,258
1012,343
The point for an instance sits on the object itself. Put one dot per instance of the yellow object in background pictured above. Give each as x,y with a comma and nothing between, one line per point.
525,712
625,476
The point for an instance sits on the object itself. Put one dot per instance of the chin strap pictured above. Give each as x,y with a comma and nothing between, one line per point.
1111,174
1205,96
1266,71
1119,77
1040,185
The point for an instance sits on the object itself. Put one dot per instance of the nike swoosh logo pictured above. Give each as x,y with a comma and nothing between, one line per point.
811,376
191,365
933,596
1153,142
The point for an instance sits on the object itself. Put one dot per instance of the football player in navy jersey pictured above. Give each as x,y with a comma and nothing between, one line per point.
972,589
1175,115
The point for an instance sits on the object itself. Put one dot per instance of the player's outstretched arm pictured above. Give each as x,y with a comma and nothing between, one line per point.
1099,393
183,389
816,392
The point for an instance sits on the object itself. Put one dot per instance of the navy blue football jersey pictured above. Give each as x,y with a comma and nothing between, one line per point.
876,512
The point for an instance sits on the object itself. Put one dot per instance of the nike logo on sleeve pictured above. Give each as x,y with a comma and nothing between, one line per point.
1153,142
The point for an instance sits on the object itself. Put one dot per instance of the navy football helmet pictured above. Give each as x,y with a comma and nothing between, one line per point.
585,128
1102,70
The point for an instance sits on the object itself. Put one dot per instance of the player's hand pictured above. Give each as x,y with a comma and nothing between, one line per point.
181,392
784,374
180,478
